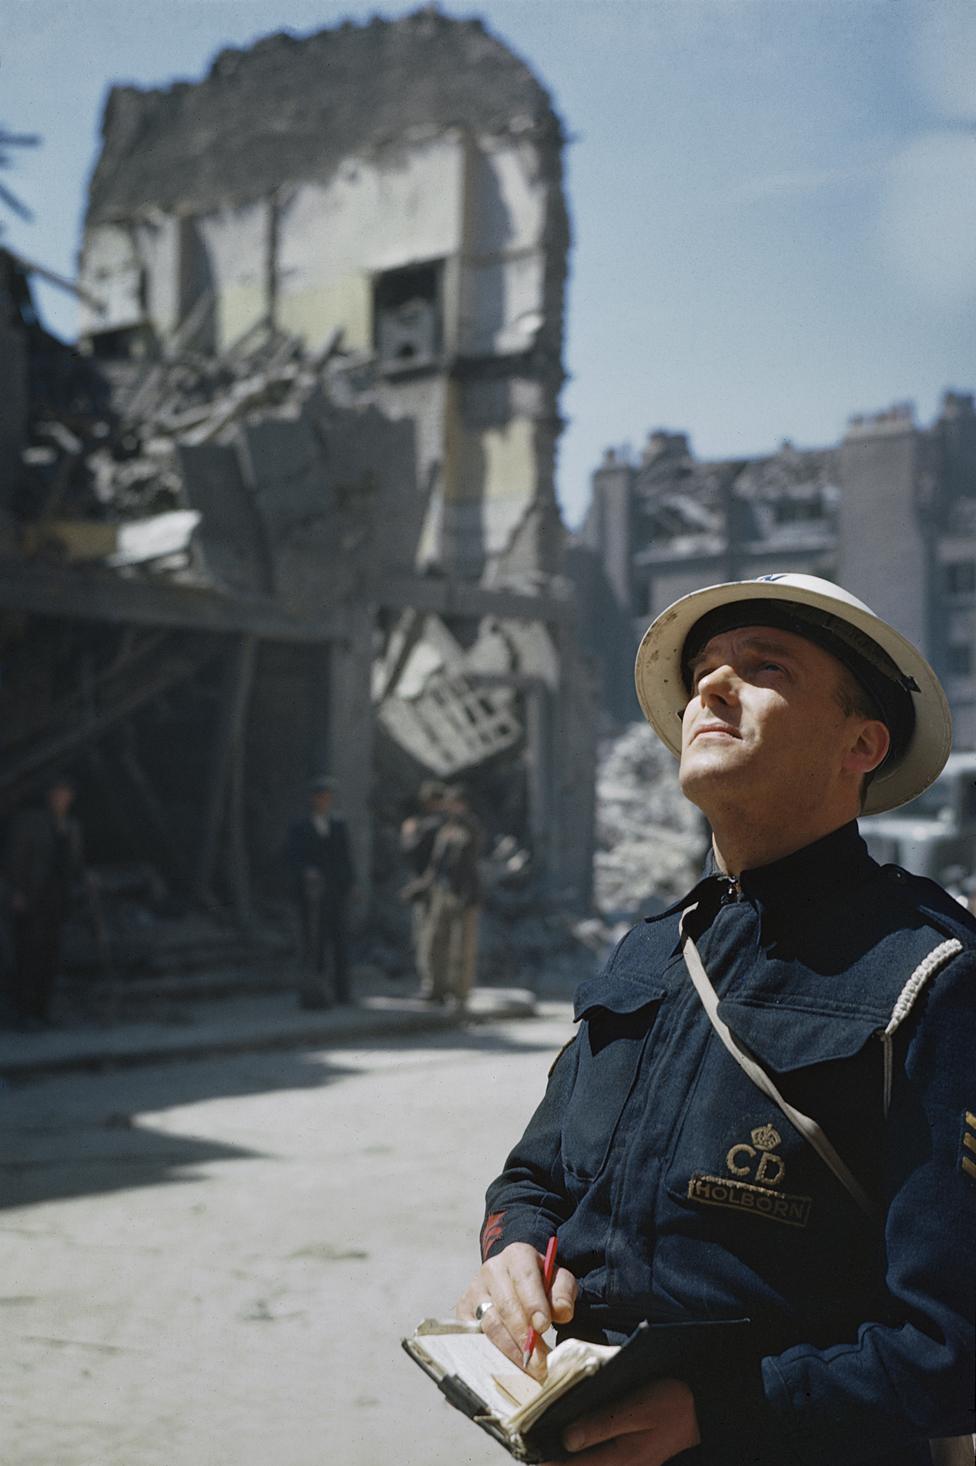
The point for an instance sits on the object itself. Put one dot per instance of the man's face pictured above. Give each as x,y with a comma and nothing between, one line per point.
764,723
321,801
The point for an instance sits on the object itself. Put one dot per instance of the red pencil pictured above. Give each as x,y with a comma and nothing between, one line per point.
548,1273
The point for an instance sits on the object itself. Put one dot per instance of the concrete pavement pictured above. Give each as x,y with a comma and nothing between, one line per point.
213,1264
181,1019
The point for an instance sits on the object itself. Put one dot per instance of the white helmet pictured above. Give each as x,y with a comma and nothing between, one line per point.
908,693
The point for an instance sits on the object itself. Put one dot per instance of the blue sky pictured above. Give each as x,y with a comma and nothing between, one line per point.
773,201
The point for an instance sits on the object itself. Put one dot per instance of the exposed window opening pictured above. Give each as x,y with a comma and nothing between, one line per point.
128,343
797,511
407,316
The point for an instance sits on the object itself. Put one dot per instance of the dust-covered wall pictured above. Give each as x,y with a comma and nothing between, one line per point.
392,192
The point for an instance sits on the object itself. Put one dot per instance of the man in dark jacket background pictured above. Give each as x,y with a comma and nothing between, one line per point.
42,860
322,877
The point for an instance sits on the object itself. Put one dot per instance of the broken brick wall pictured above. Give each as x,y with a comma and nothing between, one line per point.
407,206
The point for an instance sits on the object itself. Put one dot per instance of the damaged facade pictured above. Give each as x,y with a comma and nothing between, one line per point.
889,512
393,191
294,508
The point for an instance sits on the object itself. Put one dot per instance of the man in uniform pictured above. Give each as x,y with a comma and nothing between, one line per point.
323,876
769,1109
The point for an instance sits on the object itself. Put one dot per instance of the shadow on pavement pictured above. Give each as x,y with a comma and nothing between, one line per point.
77,1135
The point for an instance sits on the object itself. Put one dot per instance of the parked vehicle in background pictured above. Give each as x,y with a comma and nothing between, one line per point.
934,835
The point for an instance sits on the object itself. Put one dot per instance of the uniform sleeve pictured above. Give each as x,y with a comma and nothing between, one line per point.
529,1201
909,1376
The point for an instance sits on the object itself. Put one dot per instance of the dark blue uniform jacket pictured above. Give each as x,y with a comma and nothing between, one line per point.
679,1191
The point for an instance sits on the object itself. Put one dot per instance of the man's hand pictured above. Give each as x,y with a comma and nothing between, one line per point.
512,1283
644,1429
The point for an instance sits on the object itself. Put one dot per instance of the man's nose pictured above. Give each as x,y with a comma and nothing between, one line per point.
720,684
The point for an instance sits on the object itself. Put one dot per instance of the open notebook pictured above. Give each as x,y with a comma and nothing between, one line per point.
528,1418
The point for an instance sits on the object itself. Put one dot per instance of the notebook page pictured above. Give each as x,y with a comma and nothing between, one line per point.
475,1360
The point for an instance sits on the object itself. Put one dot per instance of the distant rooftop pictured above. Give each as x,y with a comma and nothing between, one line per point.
293,107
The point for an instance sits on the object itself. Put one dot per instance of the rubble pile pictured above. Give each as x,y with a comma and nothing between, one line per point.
694,506
121,465
650,840
195,398
650,843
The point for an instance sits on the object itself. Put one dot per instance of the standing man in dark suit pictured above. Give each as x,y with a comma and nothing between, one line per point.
42,861
323,876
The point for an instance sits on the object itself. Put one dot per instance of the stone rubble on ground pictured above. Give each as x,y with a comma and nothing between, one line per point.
650,840
650,844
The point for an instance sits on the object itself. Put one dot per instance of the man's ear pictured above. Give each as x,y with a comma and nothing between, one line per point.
869,748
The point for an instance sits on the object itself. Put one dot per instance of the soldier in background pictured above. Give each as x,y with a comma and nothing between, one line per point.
42,860
417,835
323,877
455,900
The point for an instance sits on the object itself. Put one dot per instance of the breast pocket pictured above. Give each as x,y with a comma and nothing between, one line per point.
738,1161
615,1031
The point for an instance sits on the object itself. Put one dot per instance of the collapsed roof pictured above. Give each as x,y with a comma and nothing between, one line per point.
685,504
292,107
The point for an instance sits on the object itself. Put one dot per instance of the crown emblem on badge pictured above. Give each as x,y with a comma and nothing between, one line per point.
767,1137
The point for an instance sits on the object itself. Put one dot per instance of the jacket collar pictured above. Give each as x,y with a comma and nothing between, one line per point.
838,859
798,880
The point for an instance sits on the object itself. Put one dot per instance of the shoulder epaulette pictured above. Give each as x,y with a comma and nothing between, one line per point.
933,902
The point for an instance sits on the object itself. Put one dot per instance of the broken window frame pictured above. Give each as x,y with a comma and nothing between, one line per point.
394,292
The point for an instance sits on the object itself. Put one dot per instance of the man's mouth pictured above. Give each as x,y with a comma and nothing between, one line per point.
722,728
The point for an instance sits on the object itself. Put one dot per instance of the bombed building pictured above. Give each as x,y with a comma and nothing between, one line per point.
390,190
291,507
671,522
887,512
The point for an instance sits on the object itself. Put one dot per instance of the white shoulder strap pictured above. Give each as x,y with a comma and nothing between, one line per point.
806,1126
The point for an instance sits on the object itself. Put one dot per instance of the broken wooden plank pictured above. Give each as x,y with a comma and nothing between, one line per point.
101,595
